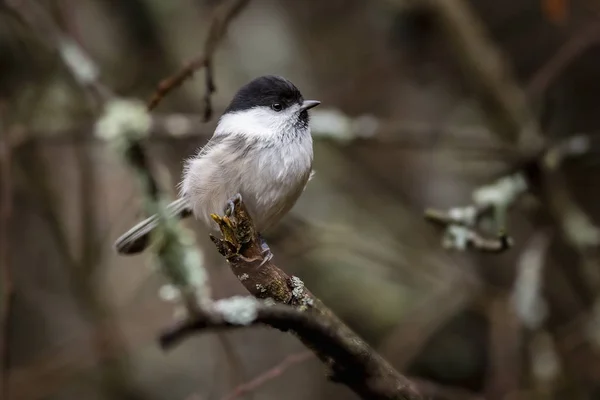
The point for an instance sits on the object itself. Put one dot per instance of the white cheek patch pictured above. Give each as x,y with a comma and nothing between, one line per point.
258,122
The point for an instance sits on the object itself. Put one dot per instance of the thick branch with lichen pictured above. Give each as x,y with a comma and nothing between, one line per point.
288,306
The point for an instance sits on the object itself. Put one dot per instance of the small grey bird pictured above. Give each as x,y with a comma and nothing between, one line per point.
262,149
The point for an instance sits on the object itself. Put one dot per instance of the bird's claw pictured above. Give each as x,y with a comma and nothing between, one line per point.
267,256
266,251
230,207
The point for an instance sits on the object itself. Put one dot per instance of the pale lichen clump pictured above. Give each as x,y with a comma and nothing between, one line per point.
457,237
238,310
169,293
466,215
299,294
243,277
501,193
261,288
297,287
124,121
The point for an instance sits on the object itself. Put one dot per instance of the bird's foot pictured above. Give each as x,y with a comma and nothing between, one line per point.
231,203
265,251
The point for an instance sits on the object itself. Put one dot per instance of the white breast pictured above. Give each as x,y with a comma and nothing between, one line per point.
275,180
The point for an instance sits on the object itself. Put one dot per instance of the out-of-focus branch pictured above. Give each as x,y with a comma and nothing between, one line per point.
167,127
351,361
575,47
531,308
6,289
221,19
364,131
576,226
502,100
465,216
430,390
368,130
460,230
527,294
83,69
269,375
123,125
505,341
545,365
469,239
462,223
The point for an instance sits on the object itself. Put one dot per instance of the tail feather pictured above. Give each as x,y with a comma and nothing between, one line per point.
136,239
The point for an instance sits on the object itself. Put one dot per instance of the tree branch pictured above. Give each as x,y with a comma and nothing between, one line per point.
288,306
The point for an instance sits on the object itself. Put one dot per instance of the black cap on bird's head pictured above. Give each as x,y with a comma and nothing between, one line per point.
270,91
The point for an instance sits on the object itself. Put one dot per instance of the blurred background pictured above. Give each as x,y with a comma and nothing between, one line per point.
404,126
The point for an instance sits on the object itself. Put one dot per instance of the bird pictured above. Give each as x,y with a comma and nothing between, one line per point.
261,150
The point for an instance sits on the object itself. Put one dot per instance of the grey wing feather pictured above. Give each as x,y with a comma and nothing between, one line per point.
136,239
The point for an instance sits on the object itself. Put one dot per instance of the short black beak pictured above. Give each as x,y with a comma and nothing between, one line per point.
308,104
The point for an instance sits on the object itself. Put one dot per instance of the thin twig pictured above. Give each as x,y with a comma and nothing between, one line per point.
221,19
234,366
573,48
269,375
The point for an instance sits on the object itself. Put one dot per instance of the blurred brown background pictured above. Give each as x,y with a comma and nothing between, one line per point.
83,322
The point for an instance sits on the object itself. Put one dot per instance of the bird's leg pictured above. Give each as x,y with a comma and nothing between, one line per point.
266,251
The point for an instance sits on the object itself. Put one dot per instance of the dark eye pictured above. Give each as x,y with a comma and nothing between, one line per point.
277,107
